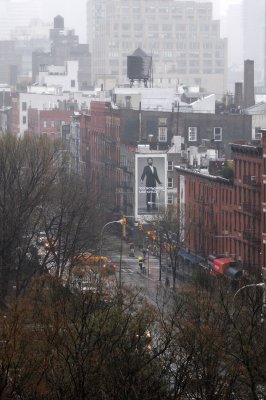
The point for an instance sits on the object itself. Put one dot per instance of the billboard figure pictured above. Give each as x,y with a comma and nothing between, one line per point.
151,178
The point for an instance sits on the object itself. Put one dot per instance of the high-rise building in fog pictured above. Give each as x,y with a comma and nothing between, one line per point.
254,37
65,46
182,37
234,29
15,13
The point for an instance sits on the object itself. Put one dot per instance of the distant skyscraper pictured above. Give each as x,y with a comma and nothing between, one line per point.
233,25
65,46
254,28
182,37
14,13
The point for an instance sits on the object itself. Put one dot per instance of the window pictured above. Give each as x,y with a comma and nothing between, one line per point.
73,83
170,183
24,120
217,134
52,124
257,133
170,166
170,199
162,121
45,124
192,133
24,106
162,131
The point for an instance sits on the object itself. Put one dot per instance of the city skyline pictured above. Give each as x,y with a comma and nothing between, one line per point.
77,19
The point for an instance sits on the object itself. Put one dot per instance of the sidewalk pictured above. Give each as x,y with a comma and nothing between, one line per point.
154,275
166,273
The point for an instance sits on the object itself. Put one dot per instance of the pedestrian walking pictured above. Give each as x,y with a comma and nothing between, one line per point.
140,260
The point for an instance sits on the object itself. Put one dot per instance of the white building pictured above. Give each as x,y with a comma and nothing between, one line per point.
258,112
46,101
65,76
161,99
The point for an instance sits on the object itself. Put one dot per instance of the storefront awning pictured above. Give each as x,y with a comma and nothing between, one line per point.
189,257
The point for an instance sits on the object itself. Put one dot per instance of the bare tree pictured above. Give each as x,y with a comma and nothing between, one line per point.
171,234
39,193
78,345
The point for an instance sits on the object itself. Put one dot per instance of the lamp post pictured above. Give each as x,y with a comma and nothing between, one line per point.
158,229
121,221
261,285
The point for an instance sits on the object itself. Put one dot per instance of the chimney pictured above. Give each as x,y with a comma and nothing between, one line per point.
238,94
249,96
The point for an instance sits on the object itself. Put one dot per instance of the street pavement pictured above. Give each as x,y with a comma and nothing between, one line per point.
149,283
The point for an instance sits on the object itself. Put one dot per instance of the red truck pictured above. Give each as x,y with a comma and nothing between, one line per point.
225,266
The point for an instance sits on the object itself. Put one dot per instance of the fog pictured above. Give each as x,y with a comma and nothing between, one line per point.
229,12
74,12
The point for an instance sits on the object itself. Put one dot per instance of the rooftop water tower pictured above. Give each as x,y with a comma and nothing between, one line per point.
139,68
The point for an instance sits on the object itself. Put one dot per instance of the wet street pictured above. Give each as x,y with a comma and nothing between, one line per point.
147,283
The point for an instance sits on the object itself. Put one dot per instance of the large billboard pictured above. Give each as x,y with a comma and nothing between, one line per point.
150,184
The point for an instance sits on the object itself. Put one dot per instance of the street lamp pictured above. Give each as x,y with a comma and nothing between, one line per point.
158,228
262,285
122,222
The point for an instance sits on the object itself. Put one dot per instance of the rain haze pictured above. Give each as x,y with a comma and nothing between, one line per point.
75,15
132,199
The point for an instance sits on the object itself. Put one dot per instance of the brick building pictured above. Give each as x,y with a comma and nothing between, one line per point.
224,216
47,122
95,137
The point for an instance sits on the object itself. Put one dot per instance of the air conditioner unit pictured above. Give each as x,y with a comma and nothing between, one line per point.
225,232
253,178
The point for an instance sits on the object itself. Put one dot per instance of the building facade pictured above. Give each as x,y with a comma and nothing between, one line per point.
10,63
182,38
225,217
94,141
47,122
157,128
65,46
17,13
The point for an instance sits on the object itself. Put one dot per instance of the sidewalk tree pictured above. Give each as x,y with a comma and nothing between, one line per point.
170,225
38,192
218,346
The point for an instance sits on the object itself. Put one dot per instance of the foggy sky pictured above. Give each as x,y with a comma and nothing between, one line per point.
74,12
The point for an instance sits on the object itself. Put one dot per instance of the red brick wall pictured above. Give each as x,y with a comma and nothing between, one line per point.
226,218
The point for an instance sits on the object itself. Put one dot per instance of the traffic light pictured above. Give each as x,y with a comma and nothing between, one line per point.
123,221
149,233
